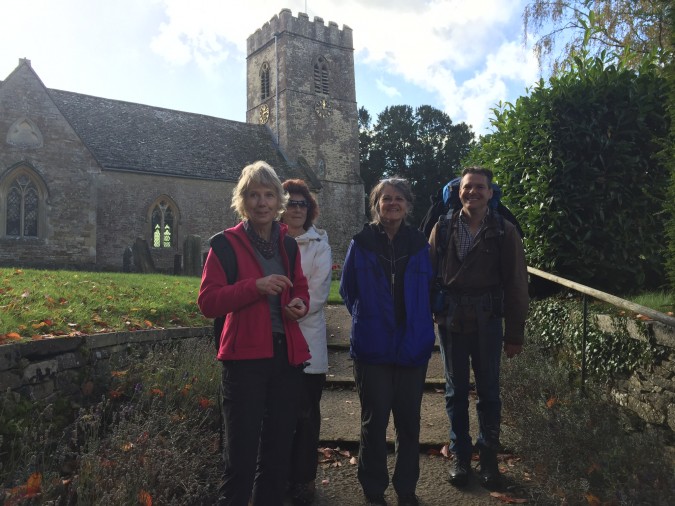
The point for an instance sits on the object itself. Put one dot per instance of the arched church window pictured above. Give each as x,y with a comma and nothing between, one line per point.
23,195
163,225
321,76
22,208
264,81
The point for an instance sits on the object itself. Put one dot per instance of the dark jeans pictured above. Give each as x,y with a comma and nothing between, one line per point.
482,351
260,400
304,456
385,389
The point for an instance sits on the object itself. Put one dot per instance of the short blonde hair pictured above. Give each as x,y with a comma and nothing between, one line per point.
258,173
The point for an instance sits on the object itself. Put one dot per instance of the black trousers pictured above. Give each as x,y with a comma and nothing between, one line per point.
304,456
385,389
260,402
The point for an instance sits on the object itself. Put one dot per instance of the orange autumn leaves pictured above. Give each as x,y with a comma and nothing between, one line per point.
185,390
20,494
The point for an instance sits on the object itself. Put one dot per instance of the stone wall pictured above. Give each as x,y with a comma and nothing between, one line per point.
36,140
124,207
648,392
76,367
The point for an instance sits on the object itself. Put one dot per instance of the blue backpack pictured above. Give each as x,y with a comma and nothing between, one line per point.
447,199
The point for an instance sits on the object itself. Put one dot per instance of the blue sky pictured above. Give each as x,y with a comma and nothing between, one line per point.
460,56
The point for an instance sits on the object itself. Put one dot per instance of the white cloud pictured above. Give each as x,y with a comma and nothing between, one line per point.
465,55
390,91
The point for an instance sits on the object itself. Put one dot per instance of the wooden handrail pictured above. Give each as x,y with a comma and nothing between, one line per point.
606,297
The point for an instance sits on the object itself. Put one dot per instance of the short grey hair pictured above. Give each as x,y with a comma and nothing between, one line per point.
400,184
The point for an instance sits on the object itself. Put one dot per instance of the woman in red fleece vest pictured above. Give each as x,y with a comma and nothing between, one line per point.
261,348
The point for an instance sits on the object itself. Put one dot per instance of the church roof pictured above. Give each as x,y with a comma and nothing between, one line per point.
153,140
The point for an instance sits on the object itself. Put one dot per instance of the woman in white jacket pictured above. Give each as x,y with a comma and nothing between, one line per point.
315,254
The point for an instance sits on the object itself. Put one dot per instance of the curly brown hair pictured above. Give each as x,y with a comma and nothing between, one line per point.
299,186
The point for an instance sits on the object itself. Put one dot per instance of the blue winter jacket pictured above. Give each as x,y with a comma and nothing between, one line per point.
380,333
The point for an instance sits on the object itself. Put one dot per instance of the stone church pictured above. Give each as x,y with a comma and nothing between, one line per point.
82,177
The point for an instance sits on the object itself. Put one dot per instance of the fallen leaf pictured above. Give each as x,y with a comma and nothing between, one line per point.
592,468
551,402
144,498
592,500
33,484
325,481
445,451
353,461
507,498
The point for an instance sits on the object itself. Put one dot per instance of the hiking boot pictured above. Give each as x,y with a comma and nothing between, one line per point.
489,470
375,500
408,500
302,494
459,473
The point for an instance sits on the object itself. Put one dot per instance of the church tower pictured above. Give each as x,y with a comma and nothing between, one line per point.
300,84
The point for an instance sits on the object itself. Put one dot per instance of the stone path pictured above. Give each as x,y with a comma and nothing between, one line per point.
337,483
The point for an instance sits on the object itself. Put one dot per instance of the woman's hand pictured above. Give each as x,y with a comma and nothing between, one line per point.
273,284
295,309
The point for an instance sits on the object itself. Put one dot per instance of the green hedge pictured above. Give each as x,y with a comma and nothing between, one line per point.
577,163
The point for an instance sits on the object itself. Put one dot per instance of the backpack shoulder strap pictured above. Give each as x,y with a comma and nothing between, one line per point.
291,246
223,249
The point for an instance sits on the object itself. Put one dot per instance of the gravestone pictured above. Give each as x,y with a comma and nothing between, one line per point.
192,255
127,259
142,257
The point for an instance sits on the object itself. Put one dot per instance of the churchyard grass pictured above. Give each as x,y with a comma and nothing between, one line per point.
660,301
38,303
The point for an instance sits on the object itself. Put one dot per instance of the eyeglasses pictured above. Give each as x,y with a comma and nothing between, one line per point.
297,203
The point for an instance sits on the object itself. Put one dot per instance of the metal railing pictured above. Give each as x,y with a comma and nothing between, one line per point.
587,291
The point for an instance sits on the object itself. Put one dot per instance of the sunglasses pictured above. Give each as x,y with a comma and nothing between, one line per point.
297,203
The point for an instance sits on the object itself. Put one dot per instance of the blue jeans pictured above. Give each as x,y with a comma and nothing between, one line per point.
482,351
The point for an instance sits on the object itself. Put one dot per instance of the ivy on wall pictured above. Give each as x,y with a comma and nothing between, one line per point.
555,324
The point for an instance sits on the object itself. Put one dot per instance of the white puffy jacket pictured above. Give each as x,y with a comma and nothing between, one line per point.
317,263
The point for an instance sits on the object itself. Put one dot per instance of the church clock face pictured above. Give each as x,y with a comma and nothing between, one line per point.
323,108
264,114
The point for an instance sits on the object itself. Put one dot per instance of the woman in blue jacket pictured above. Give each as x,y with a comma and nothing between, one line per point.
385,284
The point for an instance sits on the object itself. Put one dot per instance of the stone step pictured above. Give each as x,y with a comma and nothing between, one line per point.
340,372
341,411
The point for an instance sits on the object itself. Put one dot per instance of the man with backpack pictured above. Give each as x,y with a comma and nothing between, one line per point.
481,278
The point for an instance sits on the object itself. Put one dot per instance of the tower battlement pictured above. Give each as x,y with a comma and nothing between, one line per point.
316,30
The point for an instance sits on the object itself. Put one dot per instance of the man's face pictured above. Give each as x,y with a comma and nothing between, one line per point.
474,193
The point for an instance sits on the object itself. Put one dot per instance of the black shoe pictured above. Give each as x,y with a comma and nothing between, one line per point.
408,500
459,473
489,470
376,500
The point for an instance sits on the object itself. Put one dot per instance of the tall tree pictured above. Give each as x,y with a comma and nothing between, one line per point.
422,145
633,28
